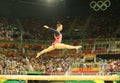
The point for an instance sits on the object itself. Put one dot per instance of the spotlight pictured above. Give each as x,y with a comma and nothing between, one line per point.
50,1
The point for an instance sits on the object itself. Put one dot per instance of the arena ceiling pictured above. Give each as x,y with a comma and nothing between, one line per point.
40,8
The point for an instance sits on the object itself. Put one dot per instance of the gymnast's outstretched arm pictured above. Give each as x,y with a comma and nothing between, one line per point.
51,29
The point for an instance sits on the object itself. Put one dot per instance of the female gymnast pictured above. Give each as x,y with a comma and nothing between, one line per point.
57,43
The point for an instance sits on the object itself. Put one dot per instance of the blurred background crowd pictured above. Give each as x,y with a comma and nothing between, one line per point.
22,37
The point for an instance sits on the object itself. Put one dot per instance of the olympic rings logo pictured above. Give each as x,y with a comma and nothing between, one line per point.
100,5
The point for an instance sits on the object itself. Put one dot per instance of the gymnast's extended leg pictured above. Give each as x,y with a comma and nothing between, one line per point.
50,48
65,46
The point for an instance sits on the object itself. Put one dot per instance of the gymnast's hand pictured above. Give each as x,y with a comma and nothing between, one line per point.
45,26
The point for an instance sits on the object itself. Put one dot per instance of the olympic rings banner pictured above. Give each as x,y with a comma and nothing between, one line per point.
100,5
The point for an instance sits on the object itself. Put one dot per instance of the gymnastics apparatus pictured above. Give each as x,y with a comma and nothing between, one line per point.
59,77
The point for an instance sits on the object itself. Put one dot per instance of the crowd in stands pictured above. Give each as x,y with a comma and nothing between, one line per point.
104,25
51,64
13,65
8,31
61,65
18,64
110,67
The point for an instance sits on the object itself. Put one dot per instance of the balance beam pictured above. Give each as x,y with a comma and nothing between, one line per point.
59,77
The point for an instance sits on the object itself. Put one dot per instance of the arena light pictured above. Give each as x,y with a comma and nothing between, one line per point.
55,2
52,2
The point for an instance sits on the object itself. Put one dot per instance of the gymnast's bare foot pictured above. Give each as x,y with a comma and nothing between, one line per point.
77,48
38,54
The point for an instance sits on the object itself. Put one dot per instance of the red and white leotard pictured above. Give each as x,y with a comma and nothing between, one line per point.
57,36
58,39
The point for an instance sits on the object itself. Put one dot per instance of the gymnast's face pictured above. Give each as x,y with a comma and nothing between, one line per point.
60,27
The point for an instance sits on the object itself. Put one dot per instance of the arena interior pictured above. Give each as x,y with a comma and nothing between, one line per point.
93,24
